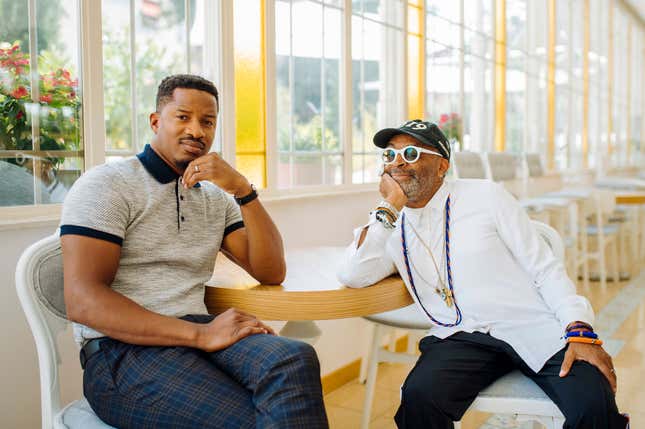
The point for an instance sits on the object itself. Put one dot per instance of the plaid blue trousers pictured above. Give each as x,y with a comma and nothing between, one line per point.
262,381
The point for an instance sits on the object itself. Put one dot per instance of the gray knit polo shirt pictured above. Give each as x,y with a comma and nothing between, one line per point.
169,235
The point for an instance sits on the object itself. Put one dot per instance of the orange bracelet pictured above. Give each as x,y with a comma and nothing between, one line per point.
585,340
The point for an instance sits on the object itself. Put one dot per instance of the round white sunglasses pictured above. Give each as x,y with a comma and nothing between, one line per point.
409,154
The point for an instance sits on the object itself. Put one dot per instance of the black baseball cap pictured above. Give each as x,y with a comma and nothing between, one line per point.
425,132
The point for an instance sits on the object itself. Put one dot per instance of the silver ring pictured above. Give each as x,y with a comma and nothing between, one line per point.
197,168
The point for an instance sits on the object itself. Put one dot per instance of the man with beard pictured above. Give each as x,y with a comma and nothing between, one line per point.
139,239
497,297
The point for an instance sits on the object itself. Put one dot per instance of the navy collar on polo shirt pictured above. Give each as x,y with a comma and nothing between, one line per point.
157,167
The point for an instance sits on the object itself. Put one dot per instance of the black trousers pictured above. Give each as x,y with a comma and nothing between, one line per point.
451,372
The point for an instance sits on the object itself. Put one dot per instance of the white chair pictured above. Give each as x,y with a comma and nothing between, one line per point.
39,283
469,165
606,234
513,393
534,165
502,166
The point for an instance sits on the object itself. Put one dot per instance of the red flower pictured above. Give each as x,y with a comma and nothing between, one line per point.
47,98
20,115
20,92
72,94
443,118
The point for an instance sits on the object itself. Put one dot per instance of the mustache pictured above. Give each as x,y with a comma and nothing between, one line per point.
192,139
401,171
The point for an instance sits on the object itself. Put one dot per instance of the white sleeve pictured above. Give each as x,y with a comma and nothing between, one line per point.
366,265
536,257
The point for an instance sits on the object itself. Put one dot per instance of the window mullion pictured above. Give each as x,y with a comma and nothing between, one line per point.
187,13
35,95
291,95
133,77
272,157
227,89
346,91
91,71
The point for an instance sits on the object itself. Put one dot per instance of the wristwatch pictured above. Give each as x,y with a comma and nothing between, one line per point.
247,198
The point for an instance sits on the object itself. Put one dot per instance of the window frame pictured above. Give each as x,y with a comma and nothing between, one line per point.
220,69
223,69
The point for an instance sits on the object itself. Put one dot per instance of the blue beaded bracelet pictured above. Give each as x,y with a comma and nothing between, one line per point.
580,326
584,334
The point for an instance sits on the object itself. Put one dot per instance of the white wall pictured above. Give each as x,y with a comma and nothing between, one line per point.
322,220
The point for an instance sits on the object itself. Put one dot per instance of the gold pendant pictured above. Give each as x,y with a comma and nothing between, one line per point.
446,296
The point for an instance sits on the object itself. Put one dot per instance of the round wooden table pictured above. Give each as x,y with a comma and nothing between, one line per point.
310,292
299,302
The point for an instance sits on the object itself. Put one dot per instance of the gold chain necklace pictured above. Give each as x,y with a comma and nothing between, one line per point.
441,290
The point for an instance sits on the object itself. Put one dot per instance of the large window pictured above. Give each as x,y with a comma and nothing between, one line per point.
516,75
312,137
575,152
536,104
378,60
637,97
41,150
479,45
308,73
144,41
443,70
337,73
562,82
620,81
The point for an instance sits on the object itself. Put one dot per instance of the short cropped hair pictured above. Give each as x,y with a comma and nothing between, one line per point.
188,81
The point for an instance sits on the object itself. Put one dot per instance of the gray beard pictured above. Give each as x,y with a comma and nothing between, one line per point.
417,187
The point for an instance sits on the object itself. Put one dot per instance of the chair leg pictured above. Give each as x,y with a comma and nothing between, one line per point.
625,255
614,260
367,357
602,263
392,346
370,386
584,240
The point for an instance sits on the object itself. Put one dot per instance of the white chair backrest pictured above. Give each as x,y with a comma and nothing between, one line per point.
502,166
39,284
469,165
534,165
551,237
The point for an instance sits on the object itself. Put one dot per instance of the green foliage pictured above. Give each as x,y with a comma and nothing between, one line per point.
152,64
15,22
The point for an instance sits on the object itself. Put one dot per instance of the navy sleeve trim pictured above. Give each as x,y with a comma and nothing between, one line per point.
89,232
233,227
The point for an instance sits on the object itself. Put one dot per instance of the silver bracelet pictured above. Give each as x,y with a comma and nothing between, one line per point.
382,217
387,205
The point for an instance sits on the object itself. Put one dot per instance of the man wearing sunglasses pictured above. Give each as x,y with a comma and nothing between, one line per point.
497,297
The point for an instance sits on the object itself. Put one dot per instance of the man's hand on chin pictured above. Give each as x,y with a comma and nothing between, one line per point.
391,191
213,168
